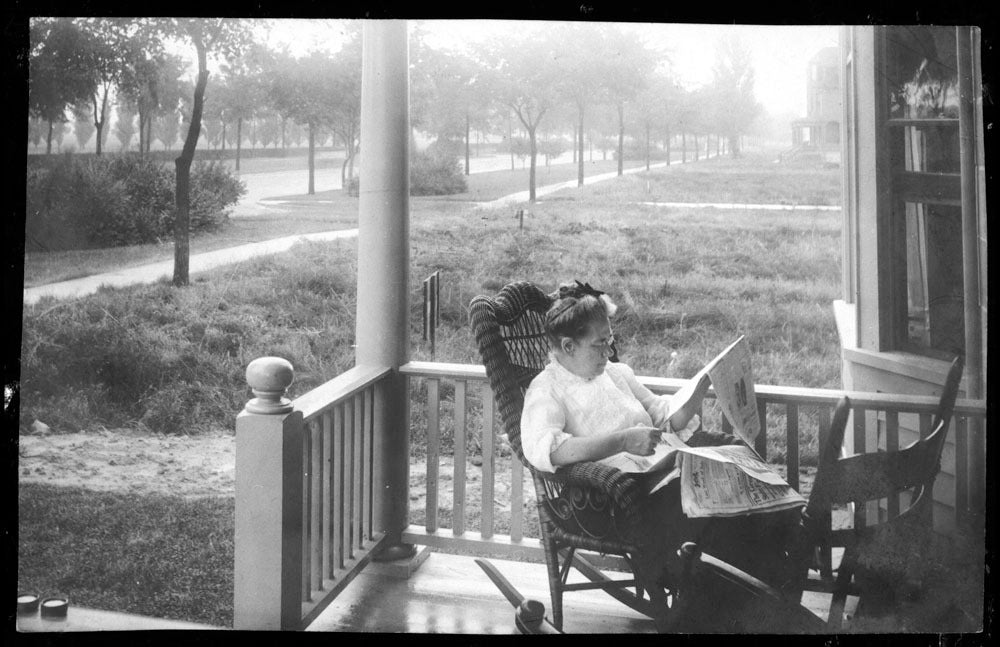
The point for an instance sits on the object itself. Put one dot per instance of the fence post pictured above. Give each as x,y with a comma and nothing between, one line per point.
267,582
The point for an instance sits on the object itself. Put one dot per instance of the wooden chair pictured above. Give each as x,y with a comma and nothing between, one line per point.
879,560
580,506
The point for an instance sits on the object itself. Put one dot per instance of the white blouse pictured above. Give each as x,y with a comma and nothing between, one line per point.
559,404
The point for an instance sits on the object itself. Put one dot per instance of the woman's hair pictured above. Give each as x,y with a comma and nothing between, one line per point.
575,307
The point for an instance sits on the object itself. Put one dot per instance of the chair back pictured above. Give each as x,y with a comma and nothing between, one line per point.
510,333
872,476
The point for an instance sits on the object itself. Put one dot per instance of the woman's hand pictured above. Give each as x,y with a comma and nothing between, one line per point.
640,440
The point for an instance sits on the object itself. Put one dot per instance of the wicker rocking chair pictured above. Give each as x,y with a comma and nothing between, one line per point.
579,507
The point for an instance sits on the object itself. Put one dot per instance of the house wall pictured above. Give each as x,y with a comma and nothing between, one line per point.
869,360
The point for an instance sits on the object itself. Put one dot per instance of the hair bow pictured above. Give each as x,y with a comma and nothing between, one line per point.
586,289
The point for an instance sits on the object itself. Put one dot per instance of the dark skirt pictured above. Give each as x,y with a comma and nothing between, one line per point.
756,543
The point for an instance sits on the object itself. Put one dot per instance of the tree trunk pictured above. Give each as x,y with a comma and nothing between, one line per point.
182,220
668,145
223,136
647,146
621,138
239,142
684,147
284,142
531,173
510,142
312,159
99,119
696,148
466,142
578,150
48,140
149,135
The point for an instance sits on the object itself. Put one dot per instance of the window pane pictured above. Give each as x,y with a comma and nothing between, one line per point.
934,277
928,147
922,72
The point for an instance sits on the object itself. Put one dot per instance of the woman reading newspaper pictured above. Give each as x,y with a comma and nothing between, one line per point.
582,407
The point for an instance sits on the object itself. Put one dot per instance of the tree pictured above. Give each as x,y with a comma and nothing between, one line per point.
58,71
582,67
454,97
125,125
35,131
733,81
656,107
244,89
221,37
105,43
151,83
83,128
629,64
345,118
168,127
305,90
520,71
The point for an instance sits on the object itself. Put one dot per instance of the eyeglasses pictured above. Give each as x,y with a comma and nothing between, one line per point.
605,346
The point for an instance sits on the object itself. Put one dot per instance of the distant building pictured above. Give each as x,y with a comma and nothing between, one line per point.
820,129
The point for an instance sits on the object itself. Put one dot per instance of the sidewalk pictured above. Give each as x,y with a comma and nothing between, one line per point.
164,269
262,189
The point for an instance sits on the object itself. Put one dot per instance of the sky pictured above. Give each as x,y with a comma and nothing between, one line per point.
780,53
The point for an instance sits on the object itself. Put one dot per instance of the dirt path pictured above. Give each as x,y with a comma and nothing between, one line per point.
130,462
121,461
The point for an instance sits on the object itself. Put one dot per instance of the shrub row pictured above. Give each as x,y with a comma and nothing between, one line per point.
114,200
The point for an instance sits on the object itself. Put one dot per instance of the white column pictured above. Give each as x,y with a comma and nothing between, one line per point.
384,256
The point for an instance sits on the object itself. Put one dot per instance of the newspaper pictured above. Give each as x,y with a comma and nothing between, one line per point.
731,480
732,379
718,481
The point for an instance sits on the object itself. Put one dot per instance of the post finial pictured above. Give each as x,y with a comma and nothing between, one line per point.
269,378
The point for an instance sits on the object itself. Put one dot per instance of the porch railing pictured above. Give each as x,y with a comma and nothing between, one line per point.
305,501
788,412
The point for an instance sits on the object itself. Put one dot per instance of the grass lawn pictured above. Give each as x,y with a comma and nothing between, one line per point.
151,555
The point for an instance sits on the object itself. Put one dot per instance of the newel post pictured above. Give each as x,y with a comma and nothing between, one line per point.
267,583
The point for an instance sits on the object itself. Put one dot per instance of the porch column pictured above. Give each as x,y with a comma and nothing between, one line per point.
382,334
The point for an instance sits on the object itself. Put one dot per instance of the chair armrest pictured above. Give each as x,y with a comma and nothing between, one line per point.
622,488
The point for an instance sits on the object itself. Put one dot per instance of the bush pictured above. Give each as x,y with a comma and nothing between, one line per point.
110,201
213,191
436,174
431,173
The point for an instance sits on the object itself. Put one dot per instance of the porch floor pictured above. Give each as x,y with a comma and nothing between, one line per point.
451,594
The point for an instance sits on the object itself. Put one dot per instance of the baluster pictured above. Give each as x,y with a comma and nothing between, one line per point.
327,561
486,527
825,551
458,503
306,516
369,437
357,430
315,503
338,487
347,532
961,470
792,445
433,452
760,442
516,499
378,442
892,445
860,447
